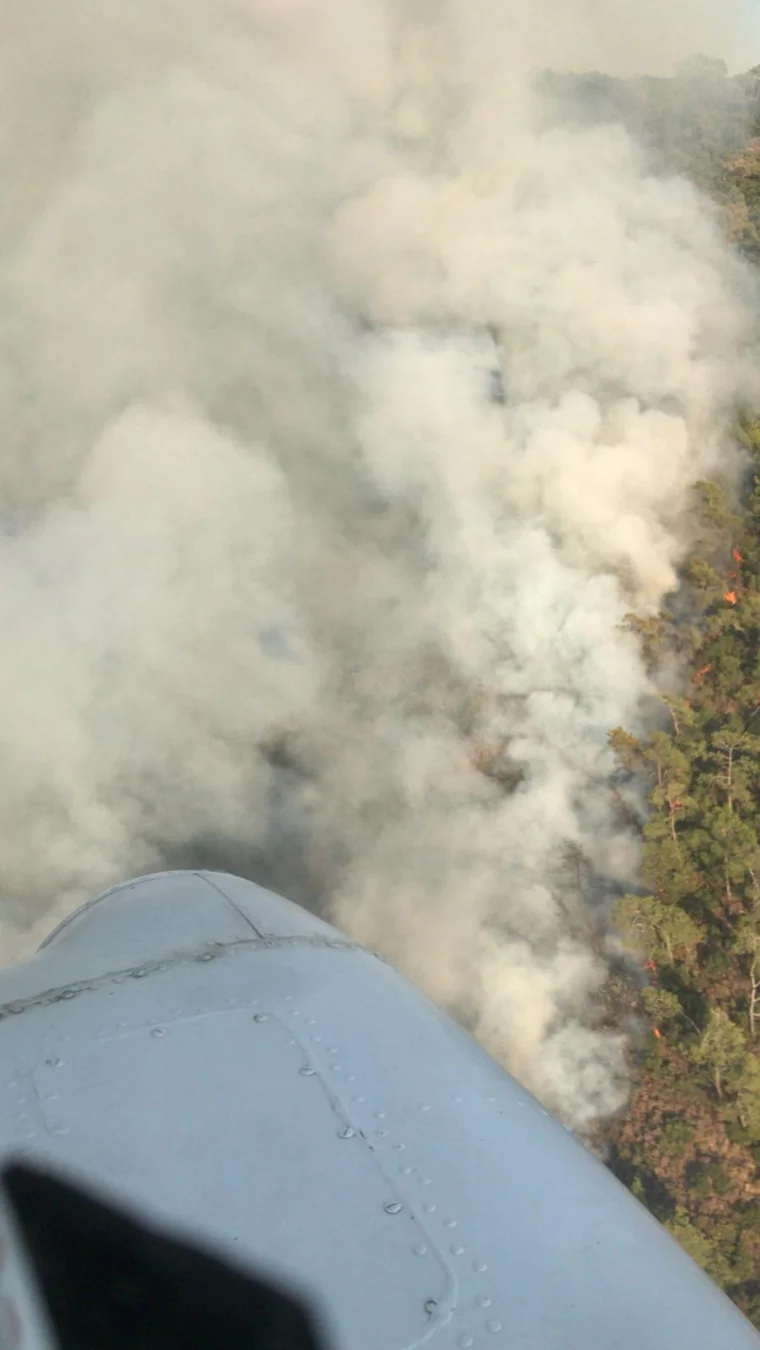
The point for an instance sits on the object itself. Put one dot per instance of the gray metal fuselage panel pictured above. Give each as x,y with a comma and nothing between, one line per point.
226,1063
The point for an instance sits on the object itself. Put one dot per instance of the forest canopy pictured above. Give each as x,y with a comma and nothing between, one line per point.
688,1144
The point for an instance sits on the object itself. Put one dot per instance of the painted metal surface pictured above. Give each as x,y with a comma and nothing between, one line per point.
225,1062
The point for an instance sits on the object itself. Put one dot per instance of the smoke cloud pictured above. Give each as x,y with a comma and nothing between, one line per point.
346,411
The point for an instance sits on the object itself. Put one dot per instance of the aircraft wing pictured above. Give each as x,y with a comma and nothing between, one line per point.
210,1055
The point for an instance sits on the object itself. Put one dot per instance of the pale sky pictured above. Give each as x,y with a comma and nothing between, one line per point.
748,54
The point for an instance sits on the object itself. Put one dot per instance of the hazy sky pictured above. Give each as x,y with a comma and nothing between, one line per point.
748,53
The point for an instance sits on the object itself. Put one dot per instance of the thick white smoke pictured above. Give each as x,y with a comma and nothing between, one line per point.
345,415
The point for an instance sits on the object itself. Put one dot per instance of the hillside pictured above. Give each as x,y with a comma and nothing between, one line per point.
700,123
688,1143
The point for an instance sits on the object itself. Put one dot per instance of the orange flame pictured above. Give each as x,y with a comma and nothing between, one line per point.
657,1033
730,596
736,555
701,673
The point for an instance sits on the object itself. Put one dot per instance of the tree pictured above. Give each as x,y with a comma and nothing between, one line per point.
747,944
699,1247
748,1096
721,1049
655,930
663,1006
701,67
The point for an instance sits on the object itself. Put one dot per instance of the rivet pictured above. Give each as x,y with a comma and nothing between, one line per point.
393,1207
261,1017
493,1325
346,1133
456,1250
420,1249
307,1071
158,1032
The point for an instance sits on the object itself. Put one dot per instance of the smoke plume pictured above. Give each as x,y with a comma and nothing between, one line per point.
347,408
